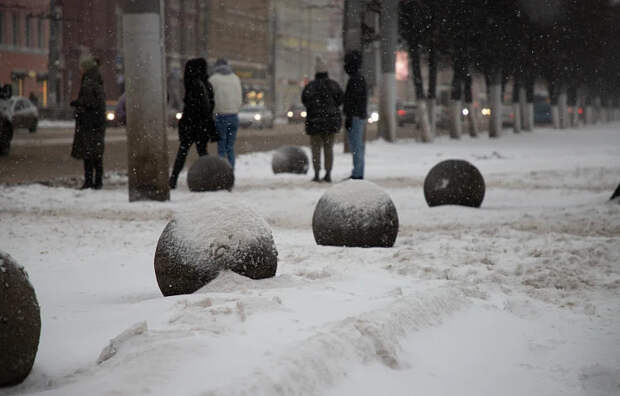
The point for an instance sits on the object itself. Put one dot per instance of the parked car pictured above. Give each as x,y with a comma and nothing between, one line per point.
406,113
21,113
255,116
296,114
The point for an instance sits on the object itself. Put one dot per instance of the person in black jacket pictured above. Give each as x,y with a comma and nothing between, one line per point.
355,104
88,140
197,124
322,98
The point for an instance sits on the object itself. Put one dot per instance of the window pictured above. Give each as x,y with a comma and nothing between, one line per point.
28,35
1,27
15,30
40,33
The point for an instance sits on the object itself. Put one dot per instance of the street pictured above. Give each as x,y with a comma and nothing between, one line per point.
44,156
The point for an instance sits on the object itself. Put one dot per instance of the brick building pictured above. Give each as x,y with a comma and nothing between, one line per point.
24,40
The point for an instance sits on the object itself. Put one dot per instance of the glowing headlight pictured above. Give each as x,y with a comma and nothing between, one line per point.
289,114
486,111
110,116
257,117
374,116
178,116
465,112
304,114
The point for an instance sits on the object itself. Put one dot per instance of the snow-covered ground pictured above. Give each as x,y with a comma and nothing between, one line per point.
519,297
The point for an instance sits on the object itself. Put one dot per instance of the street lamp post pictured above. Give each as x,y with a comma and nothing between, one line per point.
143,47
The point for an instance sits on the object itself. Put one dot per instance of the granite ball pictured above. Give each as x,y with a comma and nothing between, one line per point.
210,173
290,159
355,213
197,245
20,322
454,182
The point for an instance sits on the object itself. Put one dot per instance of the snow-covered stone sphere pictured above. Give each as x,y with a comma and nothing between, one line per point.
290,159
210,173
454,182
195,246
355,213
20,322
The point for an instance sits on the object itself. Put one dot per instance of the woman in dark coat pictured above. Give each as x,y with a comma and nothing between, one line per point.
322,98
197,124
88,141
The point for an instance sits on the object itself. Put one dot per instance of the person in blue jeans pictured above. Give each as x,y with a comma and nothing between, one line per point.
227,126
355,104
227,92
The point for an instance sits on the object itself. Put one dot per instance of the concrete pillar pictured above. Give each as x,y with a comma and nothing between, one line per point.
146,100
389,43
55,44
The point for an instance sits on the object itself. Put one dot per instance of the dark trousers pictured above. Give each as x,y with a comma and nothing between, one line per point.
184,146
325,141
93,165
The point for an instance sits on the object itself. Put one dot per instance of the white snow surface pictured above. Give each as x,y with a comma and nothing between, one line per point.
518,297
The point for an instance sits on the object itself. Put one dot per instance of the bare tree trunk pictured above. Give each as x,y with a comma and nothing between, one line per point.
389,41
516,109
456,107
589,111
563,107
495,102
553,96
432,88
422,111
523,108
472,113
573,107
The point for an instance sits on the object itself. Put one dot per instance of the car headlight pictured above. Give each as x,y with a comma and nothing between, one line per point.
465,112
486,111
178,116
374,116
257,117
110,116
304,114
289,114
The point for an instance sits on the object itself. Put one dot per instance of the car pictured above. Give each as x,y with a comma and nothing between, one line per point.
296,114
255,116
116,114
20,113
542,110
406,113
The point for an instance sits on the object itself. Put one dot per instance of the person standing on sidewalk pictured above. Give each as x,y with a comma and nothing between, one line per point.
196,125
322,98
355,105
227,90
88,140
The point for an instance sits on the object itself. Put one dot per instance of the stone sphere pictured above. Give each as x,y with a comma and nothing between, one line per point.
454,182
195,246
355,213
20,322
290,159
210,173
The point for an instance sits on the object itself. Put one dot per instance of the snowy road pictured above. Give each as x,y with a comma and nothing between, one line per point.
521,296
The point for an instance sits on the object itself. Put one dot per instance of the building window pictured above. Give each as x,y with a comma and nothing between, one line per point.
28,36
15,30
1,27
40,33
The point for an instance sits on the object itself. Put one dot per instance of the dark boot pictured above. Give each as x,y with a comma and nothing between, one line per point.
98,184
328,177
88,174
316,178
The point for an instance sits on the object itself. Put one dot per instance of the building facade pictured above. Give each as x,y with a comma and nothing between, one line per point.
24,42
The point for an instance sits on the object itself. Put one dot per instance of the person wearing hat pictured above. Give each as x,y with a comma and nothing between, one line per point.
322,98
355,103
88,140
228,99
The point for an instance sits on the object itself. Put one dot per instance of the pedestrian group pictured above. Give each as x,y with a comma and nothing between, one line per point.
210,114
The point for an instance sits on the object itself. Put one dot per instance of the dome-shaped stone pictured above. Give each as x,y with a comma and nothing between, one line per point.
210,173
355,213
20,322
195,246
290,159
454,182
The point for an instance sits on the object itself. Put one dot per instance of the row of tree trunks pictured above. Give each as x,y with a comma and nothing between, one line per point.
495,104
